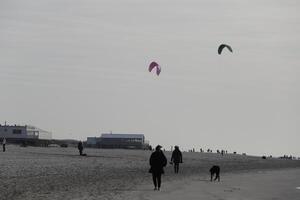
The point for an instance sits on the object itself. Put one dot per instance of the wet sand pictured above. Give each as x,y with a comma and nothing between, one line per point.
267,185
60,173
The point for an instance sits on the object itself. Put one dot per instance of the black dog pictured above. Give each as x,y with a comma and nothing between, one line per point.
215,170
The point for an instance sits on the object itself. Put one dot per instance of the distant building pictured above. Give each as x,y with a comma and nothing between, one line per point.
121,141
18,133
92,141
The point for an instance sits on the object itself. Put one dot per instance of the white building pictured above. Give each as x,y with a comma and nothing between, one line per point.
16,132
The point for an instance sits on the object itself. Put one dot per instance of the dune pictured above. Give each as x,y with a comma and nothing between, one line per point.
60,173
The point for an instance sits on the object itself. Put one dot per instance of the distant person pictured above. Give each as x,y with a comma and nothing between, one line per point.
215,170
3,144
80,147
157,162
176,159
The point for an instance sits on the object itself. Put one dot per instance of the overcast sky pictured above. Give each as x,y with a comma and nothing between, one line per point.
78,68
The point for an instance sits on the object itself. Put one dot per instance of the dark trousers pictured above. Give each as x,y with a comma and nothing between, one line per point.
3,147
176,168
156,179
80,151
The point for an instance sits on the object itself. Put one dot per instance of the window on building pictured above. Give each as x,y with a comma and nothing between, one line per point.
17,131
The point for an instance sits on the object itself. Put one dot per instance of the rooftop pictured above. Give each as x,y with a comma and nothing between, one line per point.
110,135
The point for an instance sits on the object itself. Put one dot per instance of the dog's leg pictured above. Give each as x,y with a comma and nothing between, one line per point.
217,176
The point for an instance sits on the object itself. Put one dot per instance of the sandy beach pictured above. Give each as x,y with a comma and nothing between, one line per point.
60,173
267,185
82,70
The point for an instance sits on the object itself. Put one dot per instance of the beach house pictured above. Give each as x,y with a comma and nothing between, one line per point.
18,133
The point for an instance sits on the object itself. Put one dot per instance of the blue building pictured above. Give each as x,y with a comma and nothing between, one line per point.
120,141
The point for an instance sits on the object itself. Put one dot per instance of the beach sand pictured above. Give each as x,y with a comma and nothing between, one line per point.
60,173
267,185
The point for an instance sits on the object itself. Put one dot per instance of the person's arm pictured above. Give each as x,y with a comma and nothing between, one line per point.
151,160
164,160
180,157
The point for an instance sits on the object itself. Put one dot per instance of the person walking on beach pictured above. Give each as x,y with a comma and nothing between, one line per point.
176,159
3,144
157,162
80,147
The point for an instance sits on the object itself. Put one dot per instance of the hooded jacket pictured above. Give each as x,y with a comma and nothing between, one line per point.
176,156
157,162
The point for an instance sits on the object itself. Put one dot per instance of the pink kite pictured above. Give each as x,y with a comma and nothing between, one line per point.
155,65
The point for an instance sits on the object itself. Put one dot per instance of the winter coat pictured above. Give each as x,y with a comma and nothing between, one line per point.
80,146
176,156
157,162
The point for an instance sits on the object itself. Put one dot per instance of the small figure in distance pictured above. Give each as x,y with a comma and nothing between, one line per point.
215,170
157,162
3,144
176,159
222,152
80,147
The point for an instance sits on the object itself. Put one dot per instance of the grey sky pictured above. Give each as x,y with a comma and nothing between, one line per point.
79,68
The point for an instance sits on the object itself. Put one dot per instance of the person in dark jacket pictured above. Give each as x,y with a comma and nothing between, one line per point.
80,147
3,144
176,159
157,162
